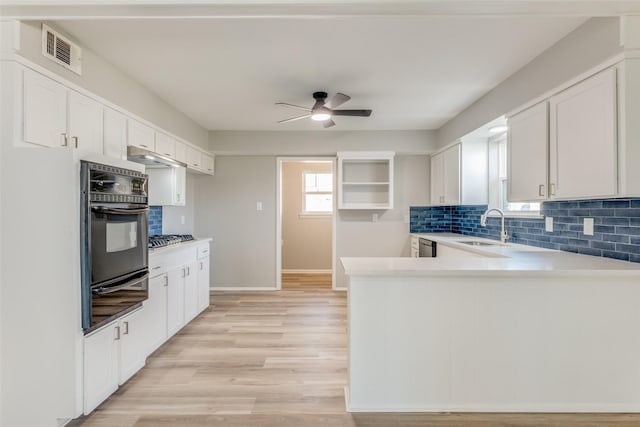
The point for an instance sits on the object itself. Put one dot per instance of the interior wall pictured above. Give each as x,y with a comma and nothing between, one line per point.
244,238
320,143
587,46
101,78
306,240
172,215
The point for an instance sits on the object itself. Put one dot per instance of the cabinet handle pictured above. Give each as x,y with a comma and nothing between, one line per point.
167,154
178,197
441,199
126,328
117,332
166,280
206,251
184,272
156,267
195,164
201,265
142,145
188,271
541,190
65,142
552,189
75,141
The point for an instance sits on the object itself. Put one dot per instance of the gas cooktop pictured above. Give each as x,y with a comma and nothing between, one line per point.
160,240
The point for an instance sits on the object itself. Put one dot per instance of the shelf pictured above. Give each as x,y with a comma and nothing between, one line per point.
365,183
365,206
365,180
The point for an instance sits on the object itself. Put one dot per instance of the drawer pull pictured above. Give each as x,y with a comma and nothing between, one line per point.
157,267
541,190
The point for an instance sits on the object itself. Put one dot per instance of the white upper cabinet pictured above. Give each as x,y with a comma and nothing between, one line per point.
445,177
181,152
140,135
207,164
528,142
85,124
194,158
167,186
165,145
583,143
44,104
114,134
365,180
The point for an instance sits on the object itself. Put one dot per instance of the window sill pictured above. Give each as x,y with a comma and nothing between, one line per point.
315,215
521,215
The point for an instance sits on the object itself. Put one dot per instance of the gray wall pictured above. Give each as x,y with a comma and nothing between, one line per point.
101,78
243,247
306,240
244,239
320,143
587,46
171,215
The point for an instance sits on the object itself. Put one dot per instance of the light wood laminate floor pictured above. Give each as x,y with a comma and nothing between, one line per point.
306,280
273,359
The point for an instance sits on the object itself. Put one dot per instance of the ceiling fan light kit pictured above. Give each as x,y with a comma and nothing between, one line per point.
323,111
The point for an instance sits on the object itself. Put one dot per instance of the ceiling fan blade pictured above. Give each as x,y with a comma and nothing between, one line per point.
355,113
328,123
293,119
337,100
293,106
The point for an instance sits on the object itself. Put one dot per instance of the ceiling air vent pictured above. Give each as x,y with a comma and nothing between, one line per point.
60,49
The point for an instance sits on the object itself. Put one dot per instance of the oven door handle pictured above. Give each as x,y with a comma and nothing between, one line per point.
119,211
103,290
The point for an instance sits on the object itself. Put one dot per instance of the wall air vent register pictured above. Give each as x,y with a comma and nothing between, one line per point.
61,50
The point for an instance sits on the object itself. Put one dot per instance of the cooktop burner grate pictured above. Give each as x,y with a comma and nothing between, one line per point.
161,240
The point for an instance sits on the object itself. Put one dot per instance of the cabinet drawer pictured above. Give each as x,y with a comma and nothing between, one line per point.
203,251
157,265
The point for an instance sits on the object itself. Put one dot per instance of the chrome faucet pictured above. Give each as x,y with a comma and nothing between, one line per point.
483,222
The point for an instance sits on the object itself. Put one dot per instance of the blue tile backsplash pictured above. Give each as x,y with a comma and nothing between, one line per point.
155,220
616,226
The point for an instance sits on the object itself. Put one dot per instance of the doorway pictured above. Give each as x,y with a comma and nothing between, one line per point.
305,253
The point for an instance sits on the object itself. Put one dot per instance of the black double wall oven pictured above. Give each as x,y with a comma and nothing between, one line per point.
114,242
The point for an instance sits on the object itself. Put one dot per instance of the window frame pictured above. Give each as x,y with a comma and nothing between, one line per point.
307,213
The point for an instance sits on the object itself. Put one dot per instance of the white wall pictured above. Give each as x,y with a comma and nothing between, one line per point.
587,46
306,240
101,78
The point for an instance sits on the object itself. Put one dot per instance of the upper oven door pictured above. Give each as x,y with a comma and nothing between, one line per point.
119,240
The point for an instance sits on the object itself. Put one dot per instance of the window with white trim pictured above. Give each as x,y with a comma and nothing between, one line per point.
498,181
318,193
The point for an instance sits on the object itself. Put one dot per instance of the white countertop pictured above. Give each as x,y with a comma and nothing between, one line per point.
501,259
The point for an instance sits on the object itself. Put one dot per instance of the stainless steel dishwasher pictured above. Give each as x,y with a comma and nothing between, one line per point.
427,248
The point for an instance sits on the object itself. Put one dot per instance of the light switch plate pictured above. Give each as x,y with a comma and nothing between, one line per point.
548,224
588,227
258,206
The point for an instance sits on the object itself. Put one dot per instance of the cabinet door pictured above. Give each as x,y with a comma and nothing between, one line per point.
181,152
194,158
179,186
451,161
114,134
527,154
155,312
204,295
175,300
583,143
85,124
191,291
134,344
437,176
100,366
140,135
44,110
165,145
207,163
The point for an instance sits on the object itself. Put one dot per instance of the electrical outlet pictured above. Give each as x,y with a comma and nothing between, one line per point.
374,217
548,224
182,219
588,227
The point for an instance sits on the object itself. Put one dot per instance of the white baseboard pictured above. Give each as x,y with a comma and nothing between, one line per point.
243,288
299,271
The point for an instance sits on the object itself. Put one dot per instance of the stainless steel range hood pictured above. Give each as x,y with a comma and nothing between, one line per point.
151,159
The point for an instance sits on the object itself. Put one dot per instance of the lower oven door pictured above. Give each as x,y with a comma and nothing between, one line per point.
118,241
114,298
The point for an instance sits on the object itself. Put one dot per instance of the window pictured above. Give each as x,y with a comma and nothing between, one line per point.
498,181
318,193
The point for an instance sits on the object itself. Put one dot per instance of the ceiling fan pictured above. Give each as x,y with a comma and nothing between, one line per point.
323,111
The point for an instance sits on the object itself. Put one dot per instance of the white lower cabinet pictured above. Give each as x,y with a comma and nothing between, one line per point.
175,300
190,291
204,292
112,355
156,312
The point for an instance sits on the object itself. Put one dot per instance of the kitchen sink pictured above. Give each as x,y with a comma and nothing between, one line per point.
477,243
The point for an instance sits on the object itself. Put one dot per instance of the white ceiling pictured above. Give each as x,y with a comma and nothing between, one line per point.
414,72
